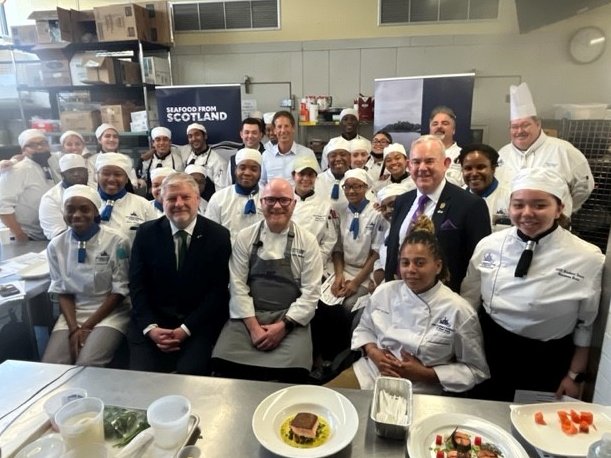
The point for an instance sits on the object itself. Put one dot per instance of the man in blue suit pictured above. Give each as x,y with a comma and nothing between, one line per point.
178,284
461,219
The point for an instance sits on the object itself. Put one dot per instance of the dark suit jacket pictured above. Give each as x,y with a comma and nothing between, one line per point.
461,220
197,295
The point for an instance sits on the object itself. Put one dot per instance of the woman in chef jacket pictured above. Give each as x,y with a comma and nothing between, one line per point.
539,287
89,272
395,165
417,328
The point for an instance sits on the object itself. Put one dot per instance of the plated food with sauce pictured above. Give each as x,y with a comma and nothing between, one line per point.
464,444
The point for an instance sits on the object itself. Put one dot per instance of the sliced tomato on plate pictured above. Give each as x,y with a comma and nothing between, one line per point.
539,418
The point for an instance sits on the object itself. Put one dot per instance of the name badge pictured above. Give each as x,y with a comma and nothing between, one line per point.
102,259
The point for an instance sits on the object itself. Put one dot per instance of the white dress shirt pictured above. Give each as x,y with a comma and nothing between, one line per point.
429,208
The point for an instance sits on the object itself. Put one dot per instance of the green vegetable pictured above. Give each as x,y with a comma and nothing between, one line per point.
122,425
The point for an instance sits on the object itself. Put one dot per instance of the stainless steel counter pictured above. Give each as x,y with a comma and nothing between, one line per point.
226,407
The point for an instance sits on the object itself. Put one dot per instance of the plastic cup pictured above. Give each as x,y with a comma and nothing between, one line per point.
58,400
169,418
81,422
88,451
190,451
50,446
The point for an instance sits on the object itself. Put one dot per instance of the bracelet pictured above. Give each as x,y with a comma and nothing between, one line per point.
289,324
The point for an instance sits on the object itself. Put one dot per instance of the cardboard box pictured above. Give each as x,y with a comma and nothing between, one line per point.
160,21
157,71
53,51
129,72
118,115
81,121
77,26
55,72
139,126
139,116
29,74
24,35
47,26
121,22
100,70
78,71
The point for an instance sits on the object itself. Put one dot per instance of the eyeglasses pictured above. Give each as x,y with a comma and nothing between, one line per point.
380,142
39,144
271,201
353,187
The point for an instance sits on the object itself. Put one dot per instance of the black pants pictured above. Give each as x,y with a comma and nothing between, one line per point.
520,363
229,369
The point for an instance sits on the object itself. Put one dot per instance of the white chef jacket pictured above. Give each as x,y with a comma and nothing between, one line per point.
552,153
438,327
306,266
356,251
324,164
226,207
214,165
381,236
51,211
407,182
323,187
105,271
498,205
278,165
21,188
158,212
174,160
128,213
558,296
314,215
454,172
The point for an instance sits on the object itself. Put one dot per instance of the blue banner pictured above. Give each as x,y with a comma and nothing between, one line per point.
216,107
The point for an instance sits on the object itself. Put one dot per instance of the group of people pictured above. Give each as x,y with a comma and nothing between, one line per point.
437,263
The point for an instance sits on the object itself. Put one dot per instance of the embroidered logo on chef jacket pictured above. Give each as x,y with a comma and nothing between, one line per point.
134,218
550,164
319,218
444,326
567,274
102,259
121,252
297,252
488,261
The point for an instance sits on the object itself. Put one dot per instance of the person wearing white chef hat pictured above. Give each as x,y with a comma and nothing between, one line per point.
73,169
328,183
22,186
199,175
539,287
395,166
268,119
530,147
238,206
88,264
349,126
353,259
162,154
157,176
120,210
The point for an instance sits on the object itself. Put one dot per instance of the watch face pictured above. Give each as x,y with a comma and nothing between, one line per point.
587,45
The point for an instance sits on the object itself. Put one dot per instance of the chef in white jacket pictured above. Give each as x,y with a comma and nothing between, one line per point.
89,272
417,328
120,209
238,206
157,176
539,287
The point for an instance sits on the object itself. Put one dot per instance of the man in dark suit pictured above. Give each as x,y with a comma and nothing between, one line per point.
179,278
461,219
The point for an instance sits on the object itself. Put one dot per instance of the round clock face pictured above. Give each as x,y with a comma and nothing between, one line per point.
587,45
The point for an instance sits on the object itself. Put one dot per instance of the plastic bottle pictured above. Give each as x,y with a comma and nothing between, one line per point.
601,448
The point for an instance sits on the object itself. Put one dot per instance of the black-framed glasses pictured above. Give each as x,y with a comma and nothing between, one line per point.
380,142
353,187
271,201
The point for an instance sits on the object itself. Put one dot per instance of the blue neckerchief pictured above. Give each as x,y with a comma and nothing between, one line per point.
490,189
250,207
158,205
335,191
82,241
356,211
110,202
65,185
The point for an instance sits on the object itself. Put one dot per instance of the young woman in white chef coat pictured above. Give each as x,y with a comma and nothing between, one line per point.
539,287
417,328
89,272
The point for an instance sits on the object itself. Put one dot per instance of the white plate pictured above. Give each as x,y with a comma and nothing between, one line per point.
422,434
277,407
37,270
550,438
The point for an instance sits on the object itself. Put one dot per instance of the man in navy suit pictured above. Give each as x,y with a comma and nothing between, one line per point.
461,219
179,277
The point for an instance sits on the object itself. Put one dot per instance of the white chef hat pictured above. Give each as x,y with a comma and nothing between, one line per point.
337,143
360,144
197,126
194,168
359,174
305,162
70,133
117,159
392,189
103,128
348,111
29,134
394,148
161,172
71,161
541,179
268,117
161,132
248,154
81,190
521,102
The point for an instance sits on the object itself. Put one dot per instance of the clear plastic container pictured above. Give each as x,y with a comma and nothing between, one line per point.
601,448
169,418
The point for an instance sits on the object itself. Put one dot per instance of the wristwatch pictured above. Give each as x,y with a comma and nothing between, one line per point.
289,324
577,377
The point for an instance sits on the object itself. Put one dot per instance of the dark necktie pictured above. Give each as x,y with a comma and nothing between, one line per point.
422,201
182,247
527,255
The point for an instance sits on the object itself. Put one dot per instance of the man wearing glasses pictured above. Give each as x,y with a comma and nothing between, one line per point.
275,271
23,185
